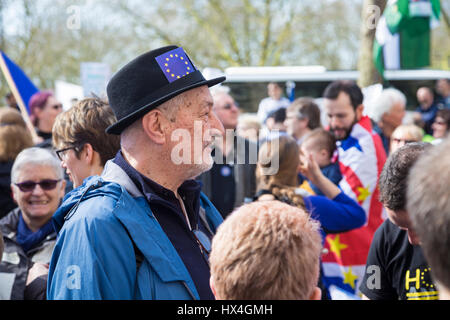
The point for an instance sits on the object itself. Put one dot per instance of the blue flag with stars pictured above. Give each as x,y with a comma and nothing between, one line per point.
175,64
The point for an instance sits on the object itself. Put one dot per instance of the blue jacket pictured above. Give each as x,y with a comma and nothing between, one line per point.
94,257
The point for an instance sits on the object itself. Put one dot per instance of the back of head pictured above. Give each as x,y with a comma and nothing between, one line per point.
383,104
14,134
306,108
282,151
278,115
393,177
266,250
38,157
350,87
429,208
86,122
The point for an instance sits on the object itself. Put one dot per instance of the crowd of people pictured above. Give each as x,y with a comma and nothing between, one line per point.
167,191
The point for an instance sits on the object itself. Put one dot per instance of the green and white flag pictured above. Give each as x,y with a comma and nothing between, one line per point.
402,38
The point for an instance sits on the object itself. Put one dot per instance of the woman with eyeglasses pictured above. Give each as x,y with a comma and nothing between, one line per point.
403,134
441,126
44,108
37,186
80,139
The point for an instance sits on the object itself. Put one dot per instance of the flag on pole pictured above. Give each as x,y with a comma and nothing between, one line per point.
361,159
402,38
21,87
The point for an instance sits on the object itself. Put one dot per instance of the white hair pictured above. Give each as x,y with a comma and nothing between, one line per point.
217,90
36,156
385,101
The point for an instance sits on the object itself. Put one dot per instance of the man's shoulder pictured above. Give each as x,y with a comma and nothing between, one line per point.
97,200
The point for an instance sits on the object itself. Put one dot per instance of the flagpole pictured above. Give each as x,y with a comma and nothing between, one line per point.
19,100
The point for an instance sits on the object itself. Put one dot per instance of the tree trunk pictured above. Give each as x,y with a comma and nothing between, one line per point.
371,12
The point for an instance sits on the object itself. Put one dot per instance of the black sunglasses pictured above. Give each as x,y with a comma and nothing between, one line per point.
57,106
46,184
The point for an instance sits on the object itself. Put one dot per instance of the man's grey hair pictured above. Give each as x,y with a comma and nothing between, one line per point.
387,99
36,156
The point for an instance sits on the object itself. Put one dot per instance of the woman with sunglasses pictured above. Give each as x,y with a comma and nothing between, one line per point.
37,186
44,108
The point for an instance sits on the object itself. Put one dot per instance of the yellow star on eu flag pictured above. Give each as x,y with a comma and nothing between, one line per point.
336,246
363,193
350,278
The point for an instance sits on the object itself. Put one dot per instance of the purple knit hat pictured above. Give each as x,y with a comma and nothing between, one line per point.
38,100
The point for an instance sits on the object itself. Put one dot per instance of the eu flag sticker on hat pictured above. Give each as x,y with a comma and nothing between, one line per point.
175,64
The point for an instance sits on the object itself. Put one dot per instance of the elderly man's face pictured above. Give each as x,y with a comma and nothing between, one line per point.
38,204
196,125
226,110
395,116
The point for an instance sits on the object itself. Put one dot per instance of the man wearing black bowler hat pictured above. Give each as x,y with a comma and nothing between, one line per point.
142,229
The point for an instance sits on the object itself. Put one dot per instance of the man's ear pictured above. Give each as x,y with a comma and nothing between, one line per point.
213,289
317,294
359,111
154,125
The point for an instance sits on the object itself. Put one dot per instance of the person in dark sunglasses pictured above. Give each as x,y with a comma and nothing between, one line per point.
37,186
44,108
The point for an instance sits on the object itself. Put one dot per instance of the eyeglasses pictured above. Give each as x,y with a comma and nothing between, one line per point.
442,123
46,184
61,153
402,140
229,106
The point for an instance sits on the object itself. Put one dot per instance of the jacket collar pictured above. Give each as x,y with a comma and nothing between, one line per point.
161,254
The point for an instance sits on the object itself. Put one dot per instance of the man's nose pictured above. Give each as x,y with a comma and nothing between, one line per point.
334,122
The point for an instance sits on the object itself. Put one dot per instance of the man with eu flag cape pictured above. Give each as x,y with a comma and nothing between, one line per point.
361,159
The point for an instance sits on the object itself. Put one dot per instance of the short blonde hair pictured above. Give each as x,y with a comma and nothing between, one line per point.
14,134
86,122
266,250
413,132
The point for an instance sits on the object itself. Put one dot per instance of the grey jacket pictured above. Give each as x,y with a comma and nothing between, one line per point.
15,262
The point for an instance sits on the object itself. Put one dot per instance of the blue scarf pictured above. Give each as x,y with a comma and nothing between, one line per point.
28,239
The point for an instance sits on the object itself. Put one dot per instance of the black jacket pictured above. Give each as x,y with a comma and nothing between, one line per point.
6,200
16,263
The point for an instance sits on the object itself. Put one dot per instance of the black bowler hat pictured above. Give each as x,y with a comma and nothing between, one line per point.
150,80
